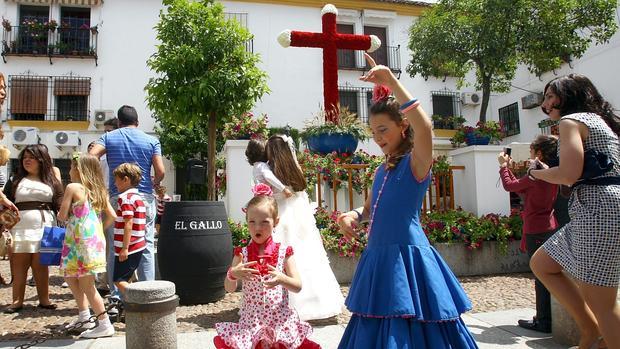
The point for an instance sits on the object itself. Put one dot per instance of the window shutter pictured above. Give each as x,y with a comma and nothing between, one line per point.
71,87
28,95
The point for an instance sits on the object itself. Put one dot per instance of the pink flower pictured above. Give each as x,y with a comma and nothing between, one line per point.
262,189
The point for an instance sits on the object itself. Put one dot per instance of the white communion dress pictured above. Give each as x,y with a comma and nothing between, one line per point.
320,296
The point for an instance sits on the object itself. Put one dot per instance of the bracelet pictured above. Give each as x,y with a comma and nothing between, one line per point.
529,174
230,276
407,104
411,107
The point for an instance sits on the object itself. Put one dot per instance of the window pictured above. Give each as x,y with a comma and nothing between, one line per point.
445,105
71,98
28,97
64,165
49,98
32,34
357,100
346,58
381,54
509,118
74,32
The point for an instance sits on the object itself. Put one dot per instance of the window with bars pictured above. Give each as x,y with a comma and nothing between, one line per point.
446,104
49,98
509,118
357,100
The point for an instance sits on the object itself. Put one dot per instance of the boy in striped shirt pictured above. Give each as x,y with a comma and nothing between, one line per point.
129,227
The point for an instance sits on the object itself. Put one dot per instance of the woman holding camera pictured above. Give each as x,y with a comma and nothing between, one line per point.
539,222
580,264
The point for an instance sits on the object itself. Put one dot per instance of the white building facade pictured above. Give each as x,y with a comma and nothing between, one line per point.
94,61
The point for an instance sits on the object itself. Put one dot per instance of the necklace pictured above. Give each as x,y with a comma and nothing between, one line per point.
374,207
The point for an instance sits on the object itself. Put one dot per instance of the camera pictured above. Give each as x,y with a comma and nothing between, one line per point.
508,151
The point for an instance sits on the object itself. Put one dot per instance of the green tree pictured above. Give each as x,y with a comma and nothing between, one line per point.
494,36
204,72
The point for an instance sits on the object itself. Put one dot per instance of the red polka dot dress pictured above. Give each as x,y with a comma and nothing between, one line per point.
265,316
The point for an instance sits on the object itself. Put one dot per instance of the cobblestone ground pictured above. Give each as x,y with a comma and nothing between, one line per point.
489,293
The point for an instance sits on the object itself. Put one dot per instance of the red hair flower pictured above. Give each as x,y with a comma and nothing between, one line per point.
262,189
380,93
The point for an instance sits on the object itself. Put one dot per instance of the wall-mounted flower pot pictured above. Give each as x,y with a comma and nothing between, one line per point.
328,143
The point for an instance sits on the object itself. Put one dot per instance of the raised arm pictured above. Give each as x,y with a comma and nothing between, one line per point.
422,152
572,134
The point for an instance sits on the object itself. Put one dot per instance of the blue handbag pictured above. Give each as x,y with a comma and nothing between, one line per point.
51,245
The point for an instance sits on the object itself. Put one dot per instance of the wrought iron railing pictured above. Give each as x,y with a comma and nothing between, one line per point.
354,60
48,98
357,100
33,41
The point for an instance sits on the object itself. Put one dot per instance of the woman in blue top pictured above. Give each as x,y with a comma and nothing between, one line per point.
403,294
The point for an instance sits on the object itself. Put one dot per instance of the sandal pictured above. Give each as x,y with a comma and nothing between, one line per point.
50,306
13,310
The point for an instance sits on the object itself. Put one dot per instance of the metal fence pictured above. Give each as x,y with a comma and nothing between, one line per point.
354,60
49,98
42,41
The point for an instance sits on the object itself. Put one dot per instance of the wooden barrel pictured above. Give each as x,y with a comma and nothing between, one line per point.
195,249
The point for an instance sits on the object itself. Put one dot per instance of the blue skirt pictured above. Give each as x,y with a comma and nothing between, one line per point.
406,296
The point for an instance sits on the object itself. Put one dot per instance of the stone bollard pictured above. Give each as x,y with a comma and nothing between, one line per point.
150,315
563,327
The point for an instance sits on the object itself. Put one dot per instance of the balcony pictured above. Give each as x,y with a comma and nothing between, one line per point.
354,60
41,41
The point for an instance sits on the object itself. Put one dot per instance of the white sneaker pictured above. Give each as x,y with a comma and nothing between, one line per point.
105,329
86,326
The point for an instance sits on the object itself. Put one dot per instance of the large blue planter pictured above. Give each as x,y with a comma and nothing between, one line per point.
472,139
327,143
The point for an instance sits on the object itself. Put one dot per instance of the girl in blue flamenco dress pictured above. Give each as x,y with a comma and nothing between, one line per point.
403,295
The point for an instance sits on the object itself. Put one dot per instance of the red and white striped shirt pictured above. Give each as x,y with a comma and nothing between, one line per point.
130,205
160,204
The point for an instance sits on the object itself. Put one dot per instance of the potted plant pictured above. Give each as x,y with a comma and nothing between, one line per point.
51,25
6,24
447,122
245,126
324,136
482,134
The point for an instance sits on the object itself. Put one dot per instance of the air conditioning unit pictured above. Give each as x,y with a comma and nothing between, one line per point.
532,100
471,98
66,139
25,136
101,116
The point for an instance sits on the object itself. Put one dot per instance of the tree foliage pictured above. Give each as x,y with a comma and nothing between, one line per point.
495,36
204,74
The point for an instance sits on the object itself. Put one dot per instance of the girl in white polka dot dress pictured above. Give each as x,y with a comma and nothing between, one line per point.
268,272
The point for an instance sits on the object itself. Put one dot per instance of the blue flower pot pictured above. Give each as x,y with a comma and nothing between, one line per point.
327,143
473,139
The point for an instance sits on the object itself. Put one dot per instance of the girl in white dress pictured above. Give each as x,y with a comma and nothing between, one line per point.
261,173
320,296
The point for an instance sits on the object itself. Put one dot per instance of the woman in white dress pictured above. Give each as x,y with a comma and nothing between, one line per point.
36,191
320,296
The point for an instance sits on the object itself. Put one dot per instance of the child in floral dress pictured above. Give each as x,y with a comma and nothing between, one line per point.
268,272
83,252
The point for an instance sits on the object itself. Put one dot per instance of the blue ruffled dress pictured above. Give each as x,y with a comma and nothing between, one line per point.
403,294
